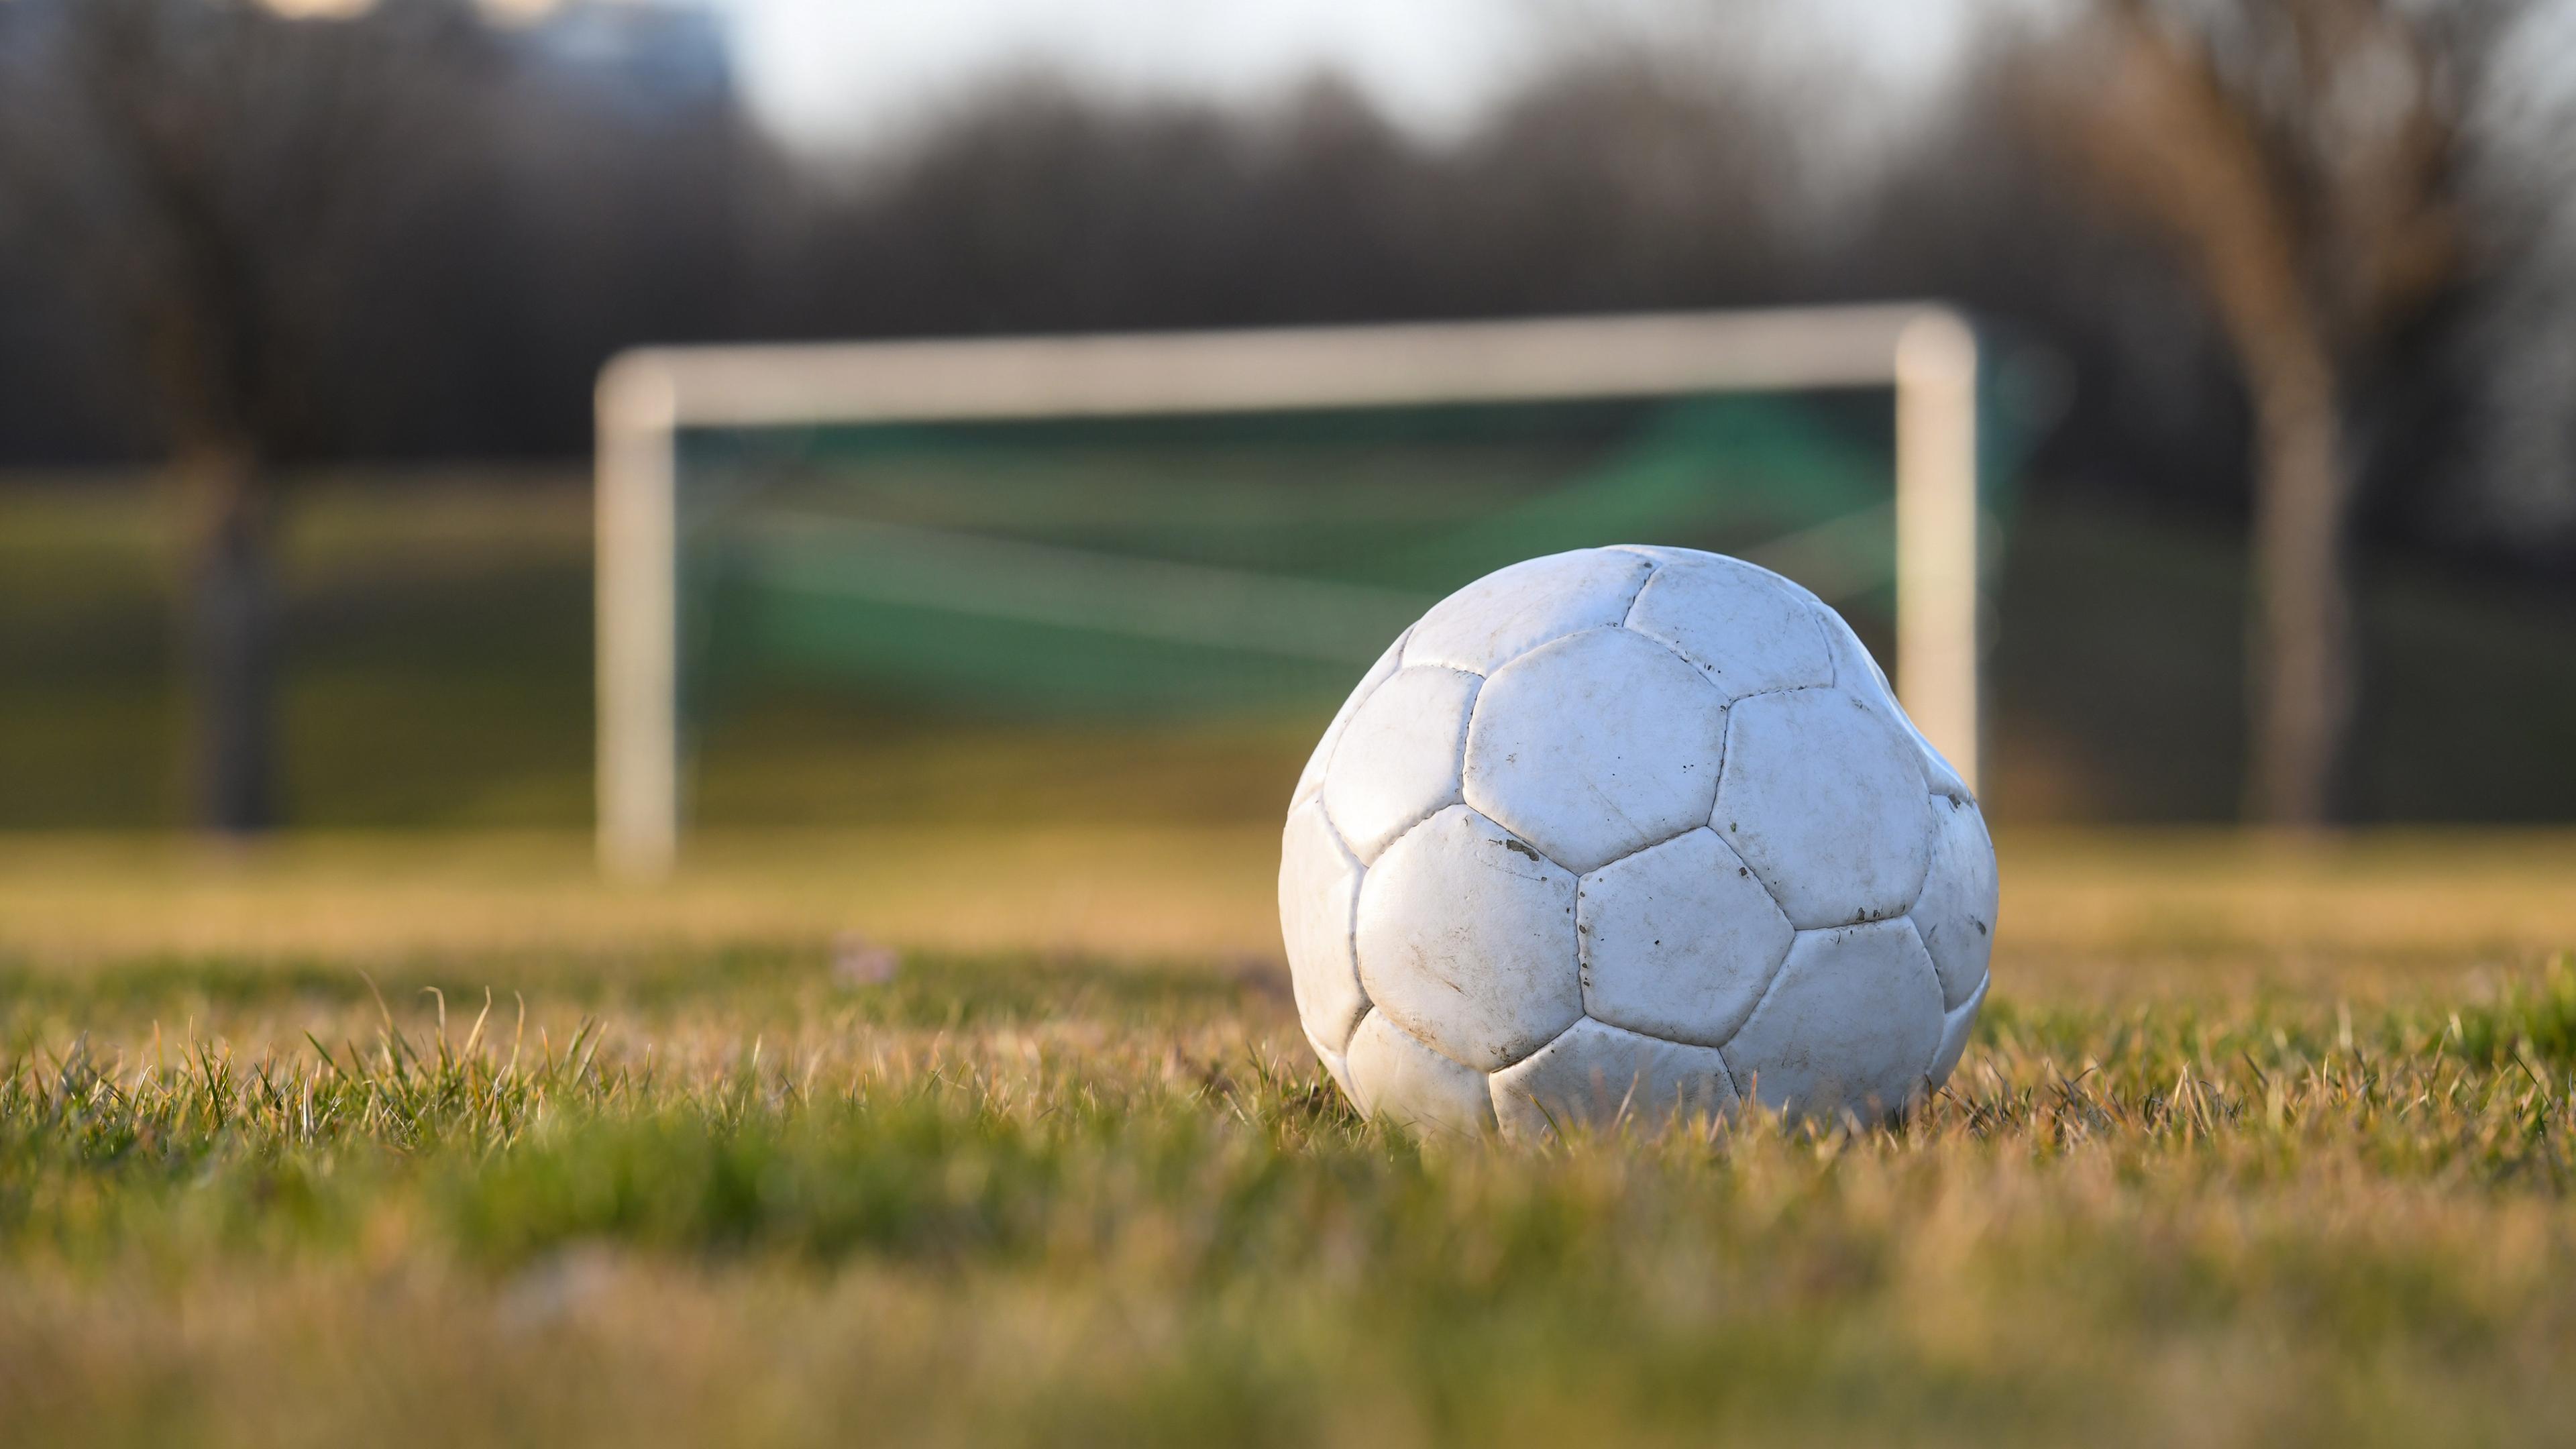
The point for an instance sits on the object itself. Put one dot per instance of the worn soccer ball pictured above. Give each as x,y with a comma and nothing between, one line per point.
1626,833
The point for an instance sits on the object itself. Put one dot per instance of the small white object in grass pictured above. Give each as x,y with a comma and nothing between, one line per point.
1625,834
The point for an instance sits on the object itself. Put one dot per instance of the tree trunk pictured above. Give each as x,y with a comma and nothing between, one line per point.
229,638
2299,656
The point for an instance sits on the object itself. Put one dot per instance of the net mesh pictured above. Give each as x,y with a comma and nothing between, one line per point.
1169,607
1222,564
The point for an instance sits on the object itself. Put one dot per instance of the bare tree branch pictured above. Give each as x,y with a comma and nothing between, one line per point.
218,175
2306,158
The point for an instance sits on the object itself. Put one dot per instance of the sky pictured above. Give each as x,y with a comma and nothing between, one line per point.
851,73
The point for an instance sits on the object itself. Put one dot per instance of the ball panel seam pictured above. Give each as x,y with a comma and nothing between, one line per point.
1654,566
1390,1024
1310,781
1457,761
1394,1002
1536,855
1348,975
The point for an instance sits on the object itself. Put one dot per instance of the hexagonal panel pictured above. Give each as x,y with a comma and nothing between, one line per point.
1851,1025
1310,781
1513,610
1466,939
1858,675
1595,745
1398,1078
1319,888
1748,628
1955,1030
1599,1074
1822,798
1956,914
1397,760
1678,940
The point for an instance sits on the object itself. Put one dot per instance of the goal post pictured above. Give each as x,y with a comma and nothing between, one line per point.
647,398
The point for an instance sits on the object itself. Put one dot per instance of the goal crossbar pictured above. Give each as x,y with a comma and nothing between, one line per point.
1926,353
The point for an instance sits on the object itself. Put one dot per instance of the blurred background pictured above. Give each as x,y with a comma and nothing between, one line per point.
302,302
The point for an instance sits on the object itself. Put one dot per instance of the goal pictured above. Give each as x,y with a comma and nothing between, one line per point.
1256,388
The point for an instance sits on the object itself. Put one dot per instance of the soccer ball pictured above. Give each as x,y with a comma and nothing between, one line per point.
1630,832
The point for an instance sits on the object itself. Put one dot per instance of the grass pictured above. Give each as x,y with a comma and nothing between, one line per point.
432,1138
422,1144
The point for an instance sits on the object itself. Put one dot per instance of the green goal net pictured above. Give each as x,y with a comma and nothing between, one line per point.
1219,567
1132,578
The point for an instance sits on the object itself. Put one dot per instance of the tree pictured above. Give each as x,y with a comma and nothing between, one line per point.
214,176
2308,157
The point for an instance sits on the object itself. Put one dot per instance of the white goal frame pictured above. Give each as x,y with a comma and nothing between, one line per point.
1925,352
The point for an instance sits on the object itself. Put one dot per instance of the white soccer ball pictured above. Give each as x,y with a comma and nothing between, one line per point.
1631,832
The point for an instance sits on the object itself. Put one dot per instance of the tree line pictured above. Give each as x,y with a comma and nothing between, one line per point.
2298,258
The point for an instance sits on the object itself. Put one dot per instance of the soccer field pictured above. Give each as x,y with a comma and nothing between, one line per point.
2255,1145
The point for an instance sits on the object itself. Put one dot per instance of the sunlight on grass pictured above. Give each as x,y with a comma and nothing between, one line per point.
2117,914
422,1144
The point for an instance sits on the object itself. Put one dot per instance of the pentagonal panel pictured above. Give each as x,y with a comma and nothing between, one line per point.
1955,1029
1678,941
1510,611
1599,1074
1397,761
1823,799
1310,781
1748,628
1595,745
1466,939
1319,888
1398,1078
1858,675
1956,914
1851,1025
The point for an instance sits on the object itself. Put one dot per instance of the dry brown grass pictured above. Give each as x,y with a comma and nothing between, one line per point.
2105,915
2258,1146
